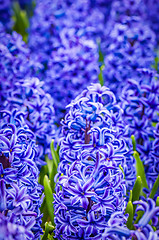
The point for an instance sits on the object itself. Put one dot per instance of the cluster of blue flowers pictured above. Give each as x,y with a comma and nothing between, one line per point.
16,62
28,96
130,45
140,102
20,90
84,74
93,151
72,66
20,193
92,184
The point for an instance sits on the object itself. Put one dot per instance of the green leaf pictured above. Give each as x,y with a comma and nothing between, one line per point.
156,62
136,192
48,228
129,210
157,202
43,172
54,154
43,209
133,142
155,187
130,196
52,182
155,65
21,22
121,168
100,75
154,125
134,196
140,170
49,165
51,237
49,198
58,149
137,189
101,56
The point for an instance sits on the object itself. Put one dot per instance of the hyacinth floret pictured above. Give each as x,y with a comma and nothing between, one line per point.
116,227
150,212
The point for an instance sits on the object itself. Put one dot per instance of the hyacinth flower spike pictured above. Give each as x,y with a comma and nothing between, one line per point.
90,184
20,192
